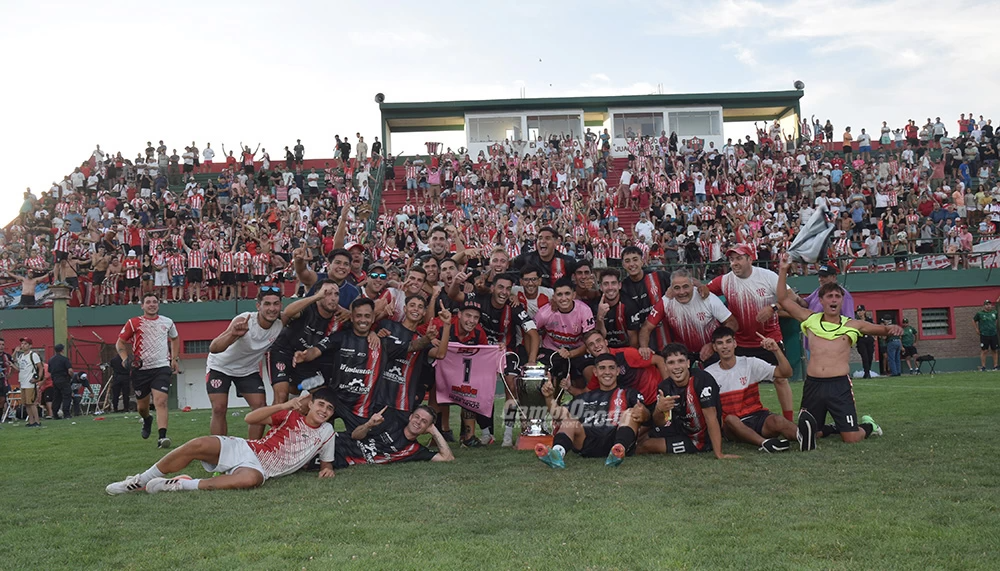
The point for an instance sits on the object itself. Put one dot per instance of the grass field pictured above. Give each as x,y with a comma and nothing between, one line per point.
923,496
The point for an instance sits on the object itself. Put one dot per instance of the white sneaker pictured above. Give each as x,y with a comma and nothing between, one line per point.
163,442
130,484
508,441
157,485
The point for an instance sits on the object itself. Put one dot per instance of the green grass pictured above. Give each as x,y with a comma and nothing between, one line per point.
924,496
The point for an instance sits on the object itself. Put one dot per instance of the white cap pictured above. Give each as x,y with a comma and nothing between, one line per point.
131,253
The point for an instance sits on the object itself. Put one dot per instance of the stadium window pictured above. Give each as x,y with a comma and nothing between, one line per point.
199,347
695,123
545,126
630,125
493,129
936,322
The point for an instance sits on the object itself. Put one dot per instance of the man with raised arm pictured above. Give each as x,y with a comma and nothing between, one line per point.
828,388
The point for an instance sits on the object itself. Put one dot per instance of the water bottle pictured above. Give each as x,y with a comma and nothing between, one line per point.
312,382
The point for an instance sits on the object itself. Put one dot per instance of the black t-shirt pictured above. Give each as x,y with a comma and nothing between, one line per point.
552,270
500,323
701,392
357,369
389,444
621,318
303,332
398,386
59,367
600,411
646,292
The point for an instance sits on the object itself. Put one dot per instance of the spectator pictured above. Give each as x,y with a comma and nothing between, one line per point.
986,326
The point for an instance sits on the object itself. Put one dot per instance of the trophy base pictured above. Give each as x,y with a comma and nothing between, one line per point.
525,442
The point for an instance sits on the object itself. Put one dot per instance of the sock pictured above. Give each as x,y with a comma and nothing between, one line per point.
563,442
625,436
829,430
486,434
148,475
190,485
788,415
868,428
163,433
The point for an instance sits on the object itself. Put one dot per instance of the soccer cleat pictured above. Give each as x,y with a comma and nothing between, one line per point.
549,456
616,456
508,441
472,442
130,484
807,431
163,442
147,427
157,485
876,429
488,440
772,445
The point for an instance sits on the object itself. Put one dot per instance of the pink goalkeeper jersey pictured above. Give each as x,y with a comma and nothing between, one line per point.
291,443
564,329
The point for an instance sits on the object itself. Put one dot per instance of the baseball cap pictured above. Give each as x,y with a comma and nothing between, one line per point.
987,301
742,250
471,304
350,245
131,253
827,270
28,339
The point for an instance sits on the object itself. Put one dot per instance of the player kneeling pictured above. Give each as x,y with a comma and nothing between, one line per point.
292,442
601,422
744,417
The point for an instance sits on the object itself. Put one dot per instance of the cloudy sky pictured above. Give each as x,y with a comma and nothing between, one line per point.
119,74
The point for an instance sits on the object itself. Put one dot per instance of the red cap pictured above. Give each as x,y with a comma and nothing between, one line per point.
28,339
742,250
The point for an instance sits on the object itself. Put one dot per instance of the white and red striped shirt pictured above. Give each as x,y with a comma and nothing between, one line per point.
226,262
291,443
242,260
133,267
261,262
176,264
196,259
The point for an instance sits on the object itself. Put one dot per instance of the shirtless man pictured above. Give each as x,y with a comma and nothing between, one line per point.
28,284
828,383
99,261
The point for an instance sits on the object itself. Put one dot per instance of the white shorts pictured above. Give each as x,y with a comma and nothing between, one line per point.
234,453
161,279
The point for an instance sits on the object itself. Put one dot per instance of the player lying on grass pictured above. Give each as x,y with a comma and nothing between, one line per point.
744,418
827,388
602,422
292,442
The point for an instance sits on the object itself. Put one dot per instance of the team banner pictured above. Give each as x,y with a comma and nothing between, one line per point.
467,376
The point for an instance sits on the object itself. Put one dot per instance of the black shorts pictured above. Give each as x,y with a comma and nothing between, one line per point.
60,256
188,168
259,279
98,278
677,441
559,366
228,278
986,343
213,282
146,380
27,300
196,162
248,169
242,278
131,282
832,395
755,421
218,383
194,275
73,283
911,351
598,443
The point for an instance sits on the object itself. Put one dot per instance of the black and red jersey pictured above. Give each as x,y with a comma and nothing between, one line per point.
398,386
388,445
551,270
701,392
501,323
644,294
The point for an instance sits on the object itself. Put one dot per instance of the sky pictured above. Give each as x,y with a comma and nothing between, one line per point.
119,74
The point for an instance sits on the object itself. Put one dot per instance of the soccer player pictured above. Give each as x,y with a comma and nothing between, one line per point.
751,295
687,416
359,357
236,355
691,318
529,293
398,388
292,442
339,268
634,371
615,316
827,386
561,325
598,423
744,418
986,327
461,328
304,325
395,440
149,345
545,256
644,289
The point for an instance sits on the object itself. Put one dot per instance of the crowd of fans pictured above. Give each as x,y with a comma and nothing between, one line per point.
115,228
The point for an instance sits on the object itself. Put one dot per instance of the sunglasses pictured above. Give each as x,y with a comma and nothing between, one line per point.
377,276
270,289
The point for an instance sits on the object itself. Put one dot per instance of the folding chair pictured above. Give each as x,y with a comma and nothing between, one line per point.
91,398
13,403
929,359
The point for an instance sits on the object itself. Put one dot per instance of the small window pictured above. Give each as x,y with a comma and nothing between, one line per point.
935,322
196,347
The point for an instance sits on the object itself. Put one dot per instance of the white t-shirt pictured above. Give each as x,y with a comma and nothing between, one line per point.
644,229
626,177
738,391
244,357
26,370
693,322
208,154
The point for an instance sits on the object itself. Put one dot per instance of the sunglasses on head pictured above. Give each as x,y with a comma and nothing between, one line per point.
377,275
270,289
